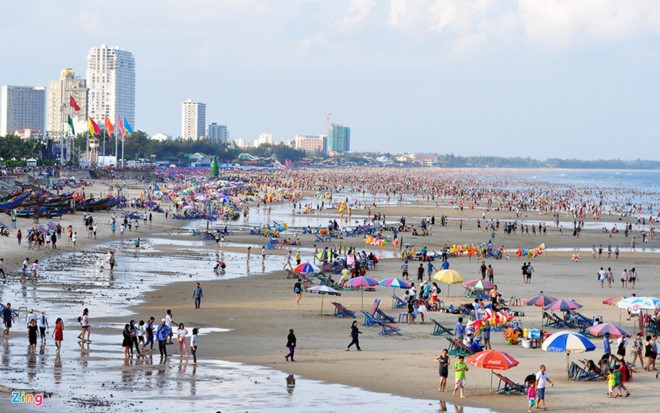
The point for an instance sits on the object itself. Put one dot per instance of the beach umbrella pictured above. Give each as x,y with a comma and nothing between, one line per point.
362,282
323,290
448,277
562,305
478,285
567,341
306,268
608,328
394,283
540,300
642,303
614,300
492,360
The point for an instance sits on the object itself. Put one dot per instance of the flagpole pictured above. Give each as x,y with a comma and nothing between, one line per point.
116,150
122,151
105,134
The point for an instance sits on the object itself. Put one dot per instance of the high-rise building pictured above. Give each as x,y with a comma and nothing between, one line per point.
22,107
217,133
264,138
311,144
111,82
59,104
339,139
193,119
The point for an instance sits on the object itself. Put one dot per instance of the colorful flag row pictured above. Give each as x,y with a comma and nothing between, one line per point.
124,127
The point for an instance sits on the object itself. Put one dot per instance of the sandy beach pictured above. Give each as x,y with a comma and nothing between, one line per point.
259,308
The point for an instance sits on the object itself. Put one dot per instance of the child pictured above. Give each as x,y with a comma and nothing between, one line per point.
612,384
181,336
193,344
531,396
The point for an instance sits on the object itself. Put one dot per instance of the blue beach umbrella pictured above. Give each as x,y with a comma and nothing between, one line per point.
567,341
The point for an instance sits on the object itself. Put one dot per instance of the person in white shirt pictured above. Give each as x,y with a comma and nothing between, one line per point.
168,322
541,380
31,316
42,323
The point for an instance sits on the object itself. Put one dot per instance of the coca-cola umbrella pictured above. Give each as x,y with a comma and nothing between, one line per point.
492,360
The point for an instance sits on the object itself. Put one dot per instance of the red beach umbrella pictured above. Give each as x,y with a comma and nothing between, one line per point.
492,360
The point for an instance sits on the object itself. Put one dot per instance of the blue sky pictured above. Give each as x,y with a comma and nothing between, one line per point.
538,78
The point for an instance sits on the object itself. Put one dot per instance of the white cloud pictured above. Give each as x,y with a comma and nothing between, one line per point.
358,11
398,10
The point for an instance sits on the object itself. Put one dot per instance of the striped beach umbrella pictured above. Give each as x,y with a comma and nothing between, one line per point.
569,342
361,281
608,328
306,268
478,285
563,305
540,300
394,283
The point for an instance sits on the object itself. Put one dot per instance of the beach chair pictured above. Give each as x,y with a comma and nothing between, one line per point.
397,302
370,320
291,274
440,329
577,373
381,315
389,329
508,386
457,348
341,311
552,320
322,238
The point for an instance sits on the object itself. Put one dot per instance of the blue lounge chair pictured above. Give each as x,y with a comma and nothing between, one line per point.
370,320
341,311
389,329
577,373
397,302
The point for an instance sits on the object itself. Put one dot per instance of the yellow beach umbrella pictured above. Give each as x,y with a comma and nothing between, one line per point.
448,277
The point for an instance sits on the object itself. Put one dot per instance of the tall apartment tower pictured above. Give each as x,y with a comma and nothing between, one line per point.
339,139
22,107
217,133
111,82
193,119
59,104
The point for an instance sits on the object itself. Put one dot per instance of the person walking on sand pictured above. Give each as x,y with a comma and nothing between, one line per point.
42,323
355,336
443,369
149,332
32,335
297,290
291,345
197,295
460,368
126,342
168,321
194,342
531,396
162,334
58,334
541,381
6,317
84,325
2,268
181,335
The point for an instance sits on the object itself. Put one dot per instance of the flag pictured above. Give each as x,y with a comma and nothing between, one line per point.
108,125
70,122
93,127
127,126
120,127
73,104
